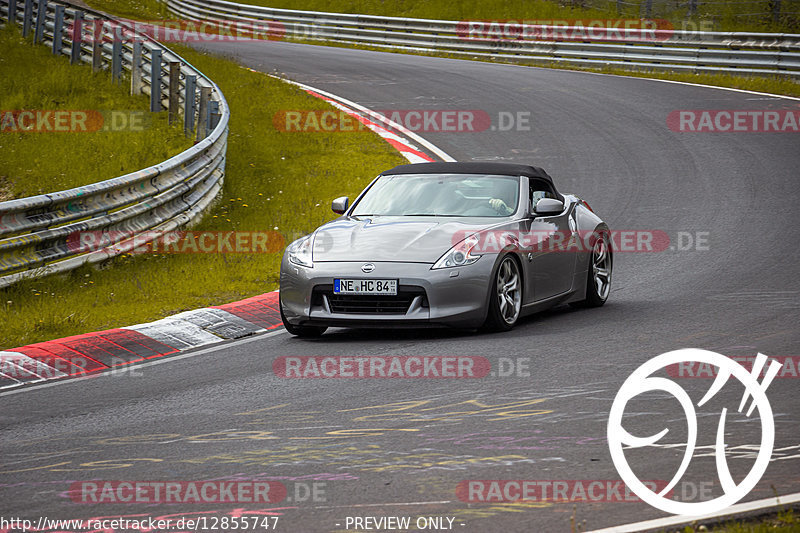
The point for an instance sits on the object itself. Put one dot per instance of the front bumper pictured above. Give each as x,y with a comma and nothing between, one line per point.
455,297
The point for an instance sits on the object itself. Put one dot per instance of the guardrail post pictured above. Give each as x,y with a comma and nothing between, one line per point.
136,67
97,50
12,12
41,12
69,30
27,15
213,115
58,29
77,37
155,81
190,83
202,116
174,88
116,59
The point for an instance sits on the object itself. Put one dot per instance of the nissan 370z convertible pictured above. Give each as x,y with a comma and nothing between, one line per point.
466,245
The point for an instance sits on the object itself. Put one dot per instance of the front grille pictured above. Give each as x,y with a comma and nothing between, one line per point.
368,304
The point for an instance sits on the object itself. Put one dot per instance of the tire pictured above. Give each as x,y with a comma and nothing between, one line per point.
598,276
505,299
301,331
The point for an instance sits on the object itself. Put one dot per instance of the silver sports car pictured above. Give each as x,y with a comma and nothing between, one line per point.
447,244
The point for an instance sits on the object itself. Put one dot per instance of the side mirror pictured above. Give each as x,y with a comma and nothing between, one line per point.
548,206
339,205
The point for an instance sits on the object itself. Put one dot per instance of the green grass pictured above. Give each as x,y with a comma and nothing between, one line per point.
719,16
758,84
33,163
782,522
525,10
753,15
765,84
273,180
133,9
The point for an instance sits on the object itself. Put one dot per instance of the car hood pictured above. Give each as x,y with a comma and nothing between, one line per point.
417,239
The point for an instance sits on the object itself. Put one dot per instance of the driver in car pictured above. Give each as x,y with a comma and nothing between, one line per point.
501,206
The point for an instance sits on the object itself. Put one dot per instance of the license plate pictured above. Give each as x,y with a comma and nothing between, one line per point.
365,286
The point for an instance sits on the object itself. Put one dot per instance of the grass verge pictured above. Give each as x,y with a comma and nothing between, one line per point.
782,522
31,78
513,10
132,9
765,84
743,15
491,10
275,181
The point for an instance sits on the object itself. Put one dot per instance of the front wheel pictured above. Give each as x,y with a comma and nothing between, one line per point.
301,331
598,284
505,301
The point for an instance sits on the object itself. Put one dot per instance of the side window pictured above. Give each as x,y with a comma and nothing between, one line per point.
539,191
536,196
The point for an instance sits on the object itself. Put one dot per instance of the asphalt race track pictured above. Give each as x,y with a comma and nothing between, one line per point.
400,447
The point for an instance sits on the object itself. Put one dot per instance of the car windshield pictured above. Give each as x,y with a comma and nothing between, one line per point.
447,195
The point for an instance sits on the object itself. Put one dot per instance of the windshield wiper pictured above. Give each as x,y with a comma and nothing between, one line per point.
407,215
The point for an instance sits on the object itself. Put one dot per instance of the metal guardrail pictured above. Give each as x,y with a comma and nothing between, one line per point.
763,54
43,234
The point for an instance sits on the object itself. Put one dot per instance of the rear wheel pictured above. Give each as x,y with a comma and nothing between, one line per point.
301,331
505,301
598,284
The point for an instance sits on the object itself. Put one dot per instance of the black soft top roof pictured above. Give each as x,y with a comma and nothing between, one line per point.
501,169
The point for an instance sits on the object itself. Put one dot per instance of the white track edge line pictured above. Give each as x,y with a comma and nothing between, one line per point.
161,360
683,519
444,156
786,97
627,76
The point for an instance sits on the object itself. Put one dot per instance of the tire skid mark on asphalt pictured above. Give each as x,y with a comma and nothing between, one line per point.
314,441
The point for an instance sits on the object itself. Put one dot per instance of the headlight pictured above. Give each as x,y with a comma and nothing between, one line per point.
459,255
300,251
